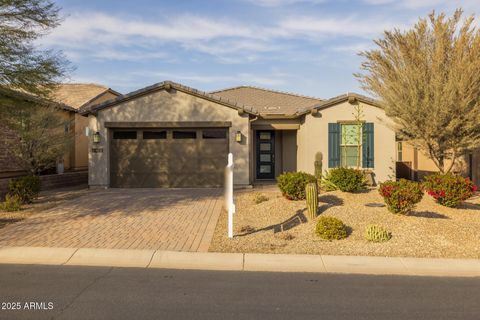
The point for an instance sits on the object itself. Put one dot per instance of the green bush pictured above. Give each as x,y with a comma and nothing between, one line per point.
259,198
292,184
401,196
376,233
27,188
448,189
345,179
12,203
330,228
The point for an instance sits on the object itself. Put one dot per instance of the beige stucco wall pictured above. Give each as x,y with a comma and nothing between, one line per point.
169,106
289,150
313,137
81,140
422,165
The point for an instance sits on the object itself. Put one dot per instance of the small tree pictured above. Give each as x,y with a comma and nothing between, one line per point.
41,139
428,80
359,115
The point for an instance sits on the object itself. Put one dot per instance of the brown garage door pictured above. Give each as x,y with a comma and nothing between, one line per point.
150,158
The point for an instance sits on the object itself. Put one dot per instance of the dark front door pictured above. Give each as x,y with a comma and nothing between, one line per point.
265,154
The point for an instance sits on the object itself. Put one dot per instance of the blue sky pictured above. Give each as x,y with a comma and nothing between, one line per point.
308,47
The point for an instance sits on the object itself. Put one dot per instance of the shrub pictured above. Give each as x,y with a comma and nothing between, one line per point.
345,179
376,233
448,189
12,203
27,188
401,196
330,228
292,184
259,198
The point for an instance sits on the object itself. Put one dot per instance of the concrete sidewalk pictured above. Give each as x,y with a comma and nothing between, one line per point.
241,261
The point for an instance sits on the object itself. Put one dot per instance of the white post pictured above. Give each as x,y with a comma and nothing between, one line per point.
229,204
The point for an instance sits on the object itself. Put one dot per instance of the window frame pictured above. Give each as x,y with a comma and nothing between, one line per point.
343,145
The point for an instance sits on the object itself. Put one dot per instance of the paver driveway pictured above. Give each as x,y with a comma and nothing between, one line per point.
166,219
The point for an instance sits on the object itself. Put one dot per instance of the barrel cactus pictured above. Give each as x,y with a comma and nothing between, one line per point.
376,233
311,192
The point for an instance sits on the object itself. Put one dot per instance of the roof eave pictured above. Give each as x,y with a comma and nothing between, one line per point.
166,85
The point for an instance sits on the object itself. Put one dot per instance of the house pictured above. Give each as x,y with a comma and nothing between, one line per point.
170,135
414,164
76,96
68,98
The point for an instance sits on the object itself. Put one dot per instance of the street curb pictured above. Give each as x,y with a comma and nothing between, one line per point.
240,261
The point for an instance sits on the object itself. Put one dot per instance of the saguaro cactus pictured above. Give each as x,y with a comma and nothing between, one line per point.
311,191
318,165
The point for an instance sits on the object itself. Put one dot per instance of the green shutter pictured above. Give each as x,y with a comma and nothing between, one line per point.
368,149
334,145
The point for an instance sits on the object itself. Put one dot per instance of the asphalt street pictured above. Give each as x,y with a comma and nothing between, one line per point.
61,292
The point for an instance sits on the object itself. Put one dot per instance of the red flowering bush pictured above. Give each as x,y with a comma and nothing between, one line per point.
448,189
401,196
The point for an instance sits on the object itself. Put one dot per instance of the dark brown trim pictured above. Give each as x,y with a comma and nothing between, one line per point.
168,124
276,126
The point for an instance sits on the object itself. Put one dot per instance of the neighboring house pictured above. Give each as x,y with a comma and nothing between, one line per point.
414,164
170,135
68,98
76,96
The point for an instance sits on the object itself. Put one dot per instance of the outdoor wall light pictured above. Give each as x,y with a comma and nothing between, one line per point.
238,136
96,137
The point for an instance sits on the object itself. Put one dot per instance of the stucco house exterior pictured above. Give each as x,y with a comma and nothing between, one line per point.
414,163
68,99
170,135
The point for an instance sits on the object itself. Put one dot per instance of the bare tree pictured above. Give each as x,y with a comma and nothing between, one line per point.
428,80
43,136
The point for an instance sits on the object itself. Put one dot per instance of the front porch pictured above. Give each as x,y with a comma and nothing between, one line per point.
274,149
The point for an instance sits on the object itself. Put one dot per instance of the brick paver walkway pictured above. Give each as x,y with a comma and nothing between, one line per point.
165,219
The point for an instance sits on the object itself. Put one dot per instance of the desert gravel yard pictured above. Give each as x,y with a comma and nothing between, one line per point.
279,225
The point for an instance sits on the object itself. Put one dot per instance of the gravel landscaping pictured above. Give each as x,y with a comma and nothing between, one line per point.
279,225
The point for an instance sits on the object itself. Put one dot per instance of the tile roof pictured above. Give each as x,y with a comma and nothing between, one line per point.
167,85
22,95
77,95
269,102
349,96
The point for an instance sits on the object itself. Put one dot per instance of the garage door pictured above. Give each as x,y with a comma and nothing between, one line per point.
150,158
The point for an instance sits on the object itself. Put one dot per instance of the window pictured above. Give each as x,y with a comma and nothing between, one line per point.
153,135
399,151
265,135
351,145
125,135
214,134
66,127
184,134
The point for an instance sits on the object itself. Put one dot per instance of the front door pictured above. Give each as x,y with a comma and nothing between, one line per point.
265,143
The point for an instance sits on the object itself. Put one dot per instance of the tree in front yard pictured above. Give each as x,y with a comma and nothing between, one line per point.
428,80
27,78
42,136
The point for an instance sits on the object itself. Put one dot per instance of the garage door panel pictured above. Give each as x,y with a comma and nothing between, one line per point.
168,162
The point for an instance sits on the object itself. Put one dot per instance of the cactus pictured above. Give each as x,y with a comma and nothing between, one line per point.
311,191
318,165
376,233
